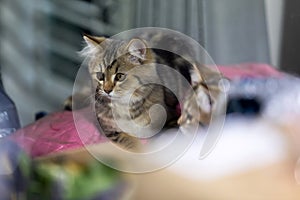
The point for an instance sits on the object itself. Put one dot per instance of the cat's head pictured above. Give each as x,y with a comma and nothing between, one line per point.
111,63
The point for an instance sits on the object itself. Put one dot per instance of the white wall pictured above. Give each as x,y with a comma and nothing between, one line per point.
274,16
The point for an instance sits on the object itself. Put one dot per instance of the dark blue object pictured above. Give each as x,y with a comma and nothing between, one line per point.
244,106
9,120
40,115
12,179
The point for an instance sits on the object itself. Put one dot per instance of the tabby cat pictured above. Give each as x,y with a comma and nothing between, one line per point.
112,65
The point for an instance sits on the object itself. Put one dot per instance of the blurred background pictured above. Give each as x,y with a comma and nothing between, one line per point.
39,39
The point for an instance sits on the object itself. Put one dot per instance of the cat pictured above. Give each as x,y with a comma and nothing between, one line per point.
112,65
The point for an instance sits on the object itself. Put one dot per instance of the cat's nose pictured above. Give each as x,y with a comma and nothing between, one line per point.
108,87
107,90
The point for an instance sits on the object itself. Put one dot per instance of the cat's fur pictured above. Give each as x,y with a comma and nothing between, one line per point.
198,105
110,66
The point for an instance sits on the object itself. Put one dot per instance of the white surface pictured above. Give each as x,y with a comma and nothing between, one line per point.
244,144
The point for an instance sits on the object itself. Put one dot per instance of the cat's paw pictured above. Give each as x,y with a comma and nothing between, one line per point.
181,120
126,142
187,119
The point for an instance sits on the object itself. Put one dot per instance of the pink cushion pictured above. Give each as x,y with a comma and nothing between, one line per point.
249,70
57,132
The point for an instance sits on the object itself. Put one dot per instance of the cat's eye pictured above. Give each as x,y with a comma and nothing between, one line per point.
120,77
100,76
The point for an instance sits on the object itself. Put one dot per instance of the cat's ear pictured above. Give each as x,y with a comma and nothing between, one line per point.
93,41
138,48
92,45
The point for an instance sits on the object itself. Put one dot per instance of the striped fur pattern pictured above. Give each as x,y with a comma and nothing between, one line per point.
206,90
111,64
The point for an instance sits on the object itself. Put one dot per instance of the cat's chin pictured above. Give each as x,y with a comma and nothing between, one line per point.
112,95
115,98
105,95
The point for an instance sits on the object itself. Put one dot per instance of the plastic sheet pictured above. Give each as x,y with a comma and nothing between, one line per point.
56,132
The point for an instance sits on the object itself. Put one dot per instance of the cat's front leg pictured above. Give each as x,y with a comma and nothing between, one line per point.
125,141
189,114
197,107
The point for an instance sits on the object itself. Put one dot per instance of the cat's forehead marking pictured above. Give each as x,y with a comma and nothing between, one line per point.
112,52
